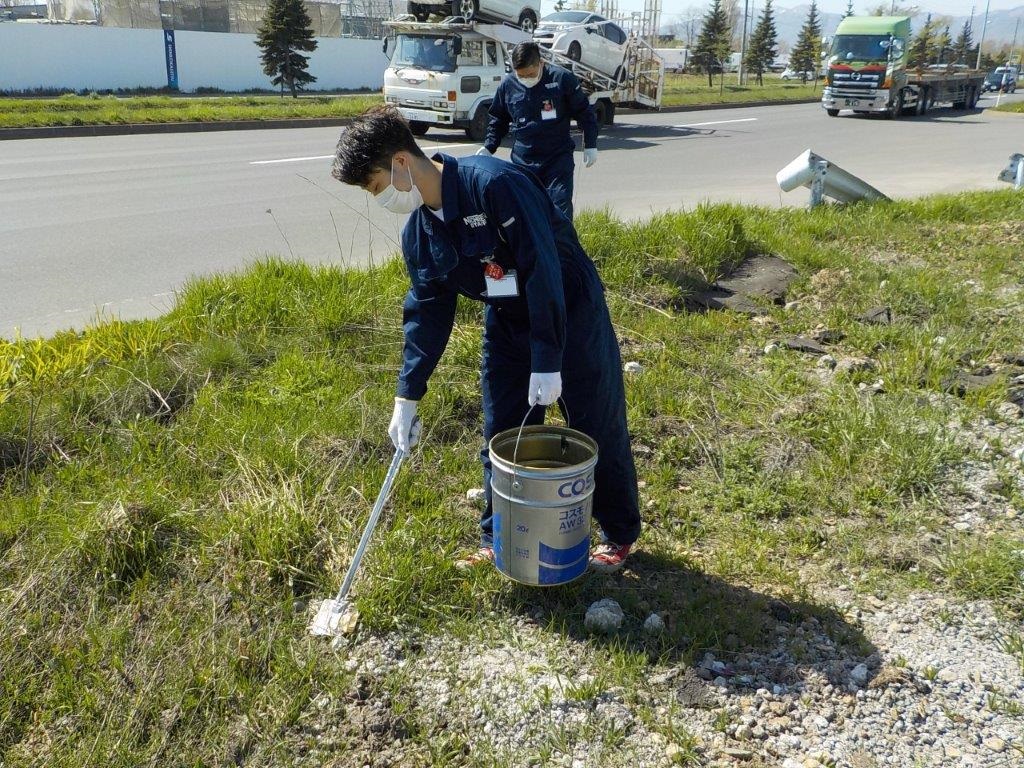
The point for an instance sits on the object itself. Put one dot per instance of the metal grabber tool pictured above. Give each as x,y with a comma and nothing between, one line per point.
337,617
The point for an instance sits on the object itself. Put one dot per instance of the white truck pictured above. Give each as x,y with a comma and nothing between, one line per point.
444,74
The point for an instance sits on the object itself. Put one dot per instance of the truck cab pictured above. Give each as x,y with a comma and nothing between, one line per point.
868,72
866,62
445,74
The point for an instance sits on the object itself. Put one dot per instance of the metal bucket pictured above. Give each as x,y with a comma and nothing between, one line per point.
542,483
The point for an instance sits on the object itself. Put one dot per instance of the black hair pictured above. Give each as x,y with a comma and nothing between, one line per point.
369,143
525,55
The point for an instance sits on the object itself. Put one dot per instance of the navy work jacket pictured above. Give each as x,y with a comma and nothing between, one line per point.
538,141
494,212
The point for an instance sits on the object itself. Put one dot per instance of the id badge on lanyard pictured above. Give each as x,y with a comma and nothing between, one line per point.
500,284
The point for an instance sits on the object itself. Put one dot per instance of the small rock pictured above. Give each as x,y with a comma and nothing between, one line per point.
737,754
827,361
1008,411
940,340
791,306
771,347
475,494
654,625
962,526
850,365
828,336
877,316
859,674
803,344
604,616
994,744
632,367
674,752
791,762
721,682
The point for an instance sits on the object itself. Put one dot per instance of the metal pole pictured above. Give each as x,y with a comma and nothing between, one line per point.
1018,182
984,29
1013,45
743,43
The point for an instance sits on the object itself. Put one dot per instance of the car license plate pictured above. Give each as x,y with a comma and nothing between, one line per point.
853,102
420,115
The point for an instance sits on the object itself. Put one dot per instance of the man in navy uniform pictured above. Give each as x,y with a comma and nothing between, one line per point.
482,228
537,103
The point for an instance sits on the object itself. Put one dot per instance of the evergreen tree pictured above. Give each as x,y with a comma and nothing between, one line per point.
285,30
763,44
917,56
964,44
943,47
806,53
713,44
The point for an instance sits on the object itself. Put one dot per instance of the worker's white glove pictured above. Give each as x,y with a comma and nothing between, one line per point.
484,151
404,429
589,157
545,388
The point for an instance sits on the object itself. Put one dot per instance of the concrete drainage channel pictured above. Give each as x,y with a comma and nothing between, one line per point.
69,131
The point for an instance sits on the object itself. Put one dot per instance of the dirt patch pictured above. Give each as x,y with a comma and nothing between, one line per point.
758,280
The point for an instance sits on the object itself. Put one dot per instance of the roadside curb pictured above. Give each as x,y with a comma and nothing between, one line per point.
66,131
993,112
70,131
716,106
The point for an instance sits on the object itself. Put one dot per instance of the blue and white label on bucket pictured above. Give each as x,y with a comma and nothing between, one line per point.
577,487
552,576
554,556
571,519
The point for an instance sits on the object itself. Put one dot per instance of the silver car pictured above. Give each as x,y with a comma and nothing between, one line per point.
522,13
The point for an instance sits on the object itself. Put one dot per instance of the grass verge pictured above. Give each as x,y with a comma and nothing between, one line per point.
174,491
71,110
1015,107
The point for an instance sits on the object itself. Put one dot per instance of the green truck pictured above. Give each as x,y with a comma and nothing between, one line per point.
868,72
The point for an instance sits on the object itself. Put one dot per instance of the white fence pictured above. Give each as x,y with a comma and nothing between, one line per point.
98,58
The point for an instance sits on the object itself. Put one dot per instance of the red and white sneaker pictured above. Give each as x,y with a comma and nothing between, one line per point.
481,556
609,557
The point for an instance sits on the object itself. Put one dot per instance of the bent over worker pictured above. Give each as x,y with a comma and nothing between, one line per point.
481,228
538,102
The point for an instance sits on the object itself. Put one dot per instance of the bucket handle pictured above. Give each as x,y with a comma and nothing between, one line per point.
516,485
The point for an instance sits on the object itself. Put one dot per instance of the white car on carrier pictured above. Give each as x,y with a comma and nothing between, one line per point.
592,40
522,13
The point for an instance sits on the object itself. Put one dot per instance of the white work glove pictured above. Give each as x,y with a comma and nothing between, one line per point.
545,388
483,151
589,157
404,429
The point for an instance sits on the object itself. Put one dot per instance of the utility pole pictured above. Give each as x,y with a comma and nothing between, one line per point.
984,29
743,44
1013,45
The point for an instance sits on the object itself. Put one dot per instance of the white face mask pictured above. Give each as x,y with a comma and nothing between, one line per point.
529,82
397,200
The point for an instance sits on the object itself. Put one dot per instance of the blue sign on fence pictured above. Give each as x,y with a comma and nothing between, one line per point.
172,60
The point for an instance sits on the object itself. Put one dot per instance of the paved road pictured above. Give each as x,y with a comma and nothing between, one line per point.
114,225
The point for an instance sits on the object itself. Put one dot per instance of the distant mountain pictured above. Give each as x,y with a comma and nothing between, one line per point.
788,22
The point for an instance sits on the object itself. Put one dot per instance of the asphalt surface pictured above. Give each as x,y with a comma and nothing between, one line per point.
113,226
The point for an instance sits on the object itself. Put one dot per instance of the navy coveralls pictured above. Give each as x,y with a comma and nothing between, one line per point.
539,118
494,212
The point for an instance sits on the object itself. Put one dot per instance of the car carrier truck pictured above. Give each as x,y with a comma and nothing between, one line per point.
444,74
868,72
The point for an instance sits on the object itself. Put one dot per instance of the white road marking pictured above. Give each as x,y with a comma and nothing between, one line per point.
328,157
717,122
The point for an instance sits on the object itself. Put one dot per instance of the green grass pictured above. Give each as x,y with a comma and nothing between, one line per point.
1015,106
175,490
693,90
113,110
